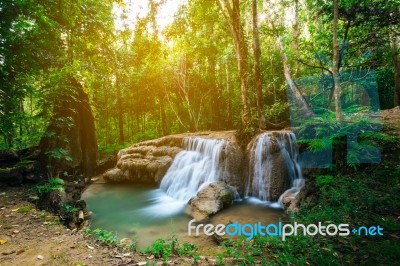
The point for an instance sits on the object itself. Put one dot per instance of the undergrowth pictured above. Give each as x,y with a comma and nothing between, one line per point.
166,248
362,195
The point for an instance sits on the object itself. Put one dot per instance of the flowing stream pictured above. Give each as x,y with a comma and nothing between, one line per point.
196,166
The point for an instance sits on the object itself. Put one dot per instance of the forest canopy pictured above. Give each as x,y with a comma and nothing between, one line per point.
152,68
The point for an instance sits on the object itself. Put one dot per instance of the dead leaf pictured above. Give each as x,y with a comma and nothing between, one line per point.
3,241
20,251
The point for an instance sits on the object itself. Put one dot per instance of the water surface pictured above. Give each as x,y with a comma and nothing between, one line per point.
146,213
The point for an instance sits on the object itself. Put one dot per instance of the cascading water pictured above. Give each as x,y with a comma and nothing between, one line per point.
193,168
261,166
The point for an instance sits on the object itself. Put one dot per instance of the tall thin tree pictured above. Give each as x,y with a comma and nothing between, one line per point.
336,61
231,11
257,67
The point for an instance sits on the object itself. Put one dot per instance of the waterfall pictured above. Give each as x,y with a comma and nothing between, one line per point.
262,165
193,168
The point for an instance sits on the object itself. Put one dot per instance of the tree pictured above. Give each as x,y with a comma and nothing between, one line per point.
304,107
257,67
336,60
231,12
396,62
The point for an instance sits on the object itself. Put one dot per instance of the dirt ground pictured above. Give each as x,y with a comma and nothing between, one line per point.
391,118
32,237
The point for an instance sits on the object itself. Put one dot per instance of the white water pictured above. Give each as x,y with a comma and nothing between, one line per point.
261,169
193,168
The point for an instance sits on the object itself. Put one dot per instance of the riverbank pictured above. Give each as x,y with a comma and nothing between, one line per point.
29,236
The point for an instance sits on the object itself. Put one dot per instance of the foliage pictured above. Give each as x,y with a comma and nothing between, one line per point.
59,154
362,136
68,208
49,186
385,81
162,248
367,196
103,236
145,80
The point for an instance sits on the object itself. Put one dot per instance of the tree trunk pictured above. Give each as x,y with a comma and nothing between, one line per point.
71,129
120,111
295,27
229,91
257,68
304,108
336,61
164,128
396,63
215,96
232,15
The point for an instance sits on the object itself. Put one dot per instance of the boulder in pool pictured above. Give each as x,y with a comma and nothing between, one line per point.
209,200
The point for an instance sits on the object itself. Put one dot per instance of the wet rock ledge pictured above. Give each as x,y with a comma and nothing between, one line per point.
147,162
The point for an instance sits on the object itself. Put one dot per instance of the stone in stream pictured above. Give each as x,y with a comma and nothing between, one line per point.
210,200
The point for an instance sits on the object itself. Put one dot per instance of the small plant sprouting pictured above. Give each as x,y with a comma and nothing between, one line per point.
68,208
162,248
51,185
103,236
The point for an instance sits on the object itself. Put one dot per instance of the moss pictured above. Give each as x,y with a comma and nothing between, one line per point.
25,209
5,170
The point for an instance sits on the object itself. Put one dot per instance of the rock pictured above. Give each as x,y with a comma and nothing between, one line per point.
145,162
233,164
114,175
7,156
40,257
276,179
148,161
209,200
54,200
81,204
125,242
12,176
107,163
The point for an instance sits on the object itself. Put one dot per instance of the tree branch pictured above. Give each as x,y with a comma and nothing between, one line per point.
313,66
